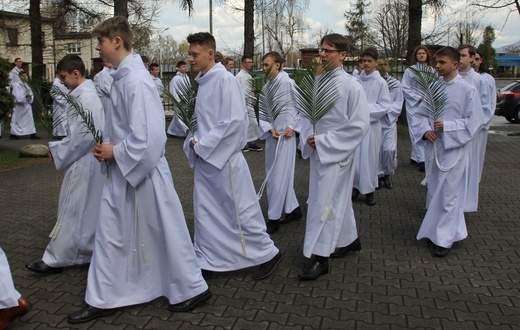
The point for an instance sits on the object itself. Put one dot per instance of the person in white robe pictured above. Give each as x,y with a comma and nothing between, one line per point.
387,153
142,247
413,98
72,239
367,158
230,231
358,69
103,82
331,226
447,155
177,127
154,73
22,120
467,56
478,66
280,144
59,110
246,81
14,74
12,304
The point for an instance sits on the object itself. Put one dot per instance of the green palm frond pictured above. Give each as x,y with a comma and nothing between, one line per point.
391,82
271,103
77,110
86,117
257,84
316,94
184,103
431,88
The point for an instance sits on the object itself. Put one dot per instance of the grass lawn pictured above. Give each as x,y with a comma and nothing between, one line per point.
10,159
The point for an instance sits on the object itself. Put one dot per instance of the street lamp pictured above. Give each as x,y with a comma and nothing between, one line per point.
160,52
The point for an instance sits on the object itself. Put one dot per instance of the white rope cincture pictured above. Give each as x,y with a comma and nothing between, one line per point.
242,239
61,215
329,213
137,233
264,184
435,158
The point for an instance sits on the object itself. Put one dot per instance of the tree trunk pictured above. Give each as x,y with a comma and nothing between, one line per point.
121,8
414,26
36,40
249,32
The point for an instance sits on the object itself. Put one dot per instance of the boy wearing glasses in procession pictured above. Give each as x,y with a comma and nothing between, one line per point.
331,149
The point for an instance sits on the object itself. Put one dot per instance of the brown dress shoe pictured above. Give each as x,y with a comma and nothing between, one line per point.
8,315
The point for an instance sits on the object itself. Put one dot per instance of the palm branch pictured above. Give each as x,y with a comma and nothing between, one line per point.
316,93
86,117
184,103
270,101
391,82
431,88
257,84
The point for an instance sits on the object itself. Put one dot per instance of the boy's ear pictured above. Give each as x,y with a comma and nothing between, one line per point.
118,42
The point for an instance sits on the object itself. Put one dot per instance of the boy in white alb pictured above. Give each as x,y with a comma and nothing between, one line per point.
230,230
72,239
142,247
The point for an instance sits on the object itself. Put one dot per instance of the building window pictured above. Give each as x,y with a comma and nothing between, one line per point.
11,37
74,48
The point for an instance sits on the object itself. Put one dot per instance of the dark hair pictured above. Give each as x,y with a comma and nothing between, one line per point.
204,39
227,59
16,59
450,52
471,50
70,63
277,58
180,63
416,50
145,59
246,57
336,40
372,52
152,66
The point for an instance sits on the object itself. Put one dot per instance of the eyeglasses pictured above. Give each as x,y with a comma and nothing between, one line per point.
328,51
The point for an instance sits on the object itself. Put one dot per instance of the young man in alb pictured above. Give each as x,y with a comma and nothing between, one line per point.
331,149
245,80
176,127
142,247
467,56
230,230
72,239
280,145
378,97
447,167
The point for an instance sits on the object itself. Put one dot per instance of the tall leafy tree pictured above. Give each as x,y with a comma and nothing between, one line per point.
358,29
486,47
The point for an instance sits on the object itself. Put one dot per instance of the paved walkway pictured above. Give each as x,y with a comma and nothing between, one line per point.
393,283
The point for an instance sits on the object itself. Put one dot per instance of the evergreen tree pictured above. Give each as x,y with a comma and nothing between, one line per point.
486,47
358,30
6,98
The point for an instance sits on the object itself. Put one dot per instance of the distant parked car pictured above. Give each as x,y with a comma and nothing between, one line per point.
508,103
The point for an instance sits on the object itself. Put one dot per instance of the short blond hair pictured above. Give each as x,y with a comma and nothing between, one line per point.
116,26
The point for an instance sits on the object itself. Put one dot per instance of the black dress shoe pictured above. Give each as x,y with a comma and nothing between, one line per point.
313,270
88,313
273,226
35,137
343,251
355,193
387,182
41,267
295,215
370,199
421,167
440,252
13,137
191,303
267,267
